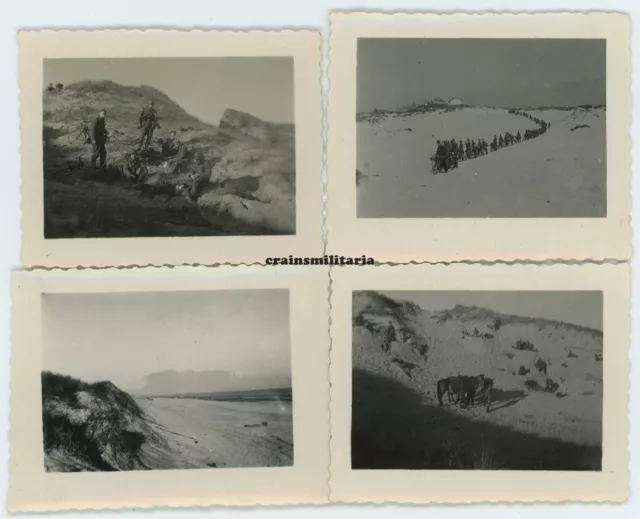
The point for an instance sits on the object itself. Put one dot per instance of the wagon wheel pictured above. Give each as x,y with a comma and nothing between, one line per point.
76,134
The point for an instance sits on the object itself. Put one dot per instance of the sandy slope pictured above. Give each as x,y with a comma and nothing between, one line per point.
432,346
99,427
252,163
213,434
560,174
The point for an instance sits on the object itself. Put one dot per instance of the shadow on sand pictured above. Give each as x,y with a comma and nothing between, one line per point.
501,399
393,428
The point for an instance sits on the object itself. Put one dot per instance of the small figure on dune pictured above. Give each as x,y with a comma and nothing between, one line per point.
148,122
98,133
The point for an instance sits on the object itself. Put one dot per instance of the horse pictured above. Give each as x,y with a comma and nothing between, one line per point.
443,386
459,389
482,386
453,387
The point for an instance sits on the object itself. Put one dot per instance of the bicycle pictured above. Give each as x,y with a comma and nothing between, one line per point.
80,132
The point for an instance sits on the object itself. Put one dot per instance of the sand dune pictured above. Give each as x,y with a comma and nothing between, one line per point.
224,434
99,427
252,164
560,174
435,345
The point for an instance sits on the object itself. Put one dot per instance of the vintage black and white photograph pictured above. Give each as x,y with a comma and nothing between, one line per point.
477,380
163,147
481,128
166,380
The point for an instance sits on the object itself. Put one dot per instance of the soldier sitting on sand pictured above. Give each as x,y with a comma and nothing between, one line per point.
170,145
134,168
180,159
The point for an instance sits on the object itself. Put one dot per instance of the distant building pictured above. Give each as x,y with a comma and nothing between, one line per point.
456,101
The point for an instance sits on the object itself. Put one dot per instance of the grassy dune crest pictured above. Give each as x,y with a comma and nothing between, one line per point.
252,163
527,428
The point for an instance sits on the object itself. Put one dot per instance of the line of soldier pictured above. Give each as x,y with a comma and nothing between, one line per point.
135,168
537,120
449,153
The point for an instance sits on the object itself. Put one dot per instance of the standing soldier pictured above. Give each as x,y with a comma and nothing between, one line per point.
500,142
98,133
148,123
454,154
441,161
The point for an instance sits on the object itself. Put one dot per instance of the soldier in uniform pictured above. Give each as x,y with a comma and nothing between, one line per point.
148,123
170,145
98,133
453,155
441,157
181,157
134,168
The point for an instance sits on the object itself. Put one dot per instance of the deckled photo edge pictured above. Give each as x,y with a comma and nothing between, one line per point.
304,49
586,238
305,482
464,486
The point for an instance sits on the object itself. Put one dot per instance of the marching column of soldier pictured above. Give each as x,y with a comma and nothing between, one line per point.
135,166
450,152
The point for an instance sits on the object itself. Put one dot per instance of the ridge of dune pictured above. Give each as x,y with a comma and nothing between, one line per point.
430,345
252,163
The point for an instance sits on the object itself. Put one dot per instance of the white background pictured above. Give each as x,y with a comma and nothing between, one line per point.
268,14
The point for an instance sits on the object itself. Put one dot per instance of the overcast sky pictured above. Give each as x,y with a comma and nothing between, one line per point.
576,307
124,337
204,87
492,72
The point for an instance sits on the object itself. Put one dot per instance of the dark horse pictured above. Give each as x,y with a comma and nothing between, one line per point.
483,386
464,389
458,389
452,386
